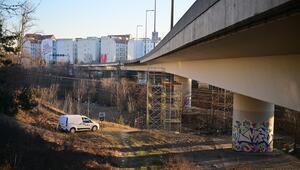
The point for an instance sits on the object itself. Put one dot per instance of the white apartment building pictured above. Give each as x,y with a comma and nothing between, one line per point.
114,48
32,49
136,48
65,52
48,48
88,50
108,49
32,45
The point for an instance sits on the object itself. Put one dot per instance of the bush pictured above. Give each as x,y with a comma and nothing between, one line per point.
13,100
120,120
26,99
15,90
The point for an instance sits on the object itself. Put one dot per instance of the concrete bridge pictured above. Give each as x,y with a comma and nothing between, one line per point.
250,47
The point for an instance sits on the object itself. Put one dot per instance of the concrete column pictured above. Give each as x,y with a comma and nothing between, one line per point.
186,89
253,125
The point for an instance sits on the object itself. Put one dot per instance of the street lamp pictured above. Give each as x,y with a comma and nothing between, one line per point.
172,13
137,30
145,51
154,19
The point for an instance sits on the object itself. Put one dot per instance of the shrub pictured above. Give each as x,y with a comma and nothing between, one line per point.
26,99
120,120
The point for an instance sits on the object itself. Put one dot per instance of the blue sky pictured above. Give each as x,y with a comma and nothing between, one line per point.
82,18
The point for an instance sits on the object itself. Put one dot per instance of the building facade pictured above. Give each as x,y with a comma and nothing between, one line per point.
39,46
114,48
32,46
65,52
48,48
88,50
136,48
32,49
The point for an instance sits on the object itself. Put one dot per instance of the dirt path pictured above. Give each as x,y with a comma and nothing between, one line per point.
124,139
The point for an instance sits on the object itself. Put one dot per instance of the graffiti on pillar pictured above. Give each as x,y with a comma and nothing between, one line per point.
251,137
187,101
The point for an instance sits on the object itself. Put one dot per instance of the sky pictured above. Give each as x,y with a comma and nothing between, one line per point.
83,18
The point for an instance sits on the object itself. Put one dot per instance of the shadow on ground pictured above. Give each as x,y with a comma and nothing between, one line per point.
23,150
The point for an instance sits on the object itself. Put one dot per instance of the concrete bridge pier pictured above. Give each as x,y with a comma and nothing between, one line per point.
186,90
253,125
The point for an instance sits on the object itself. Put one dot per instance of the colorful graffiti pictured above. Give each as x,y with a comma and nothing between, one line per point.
252,137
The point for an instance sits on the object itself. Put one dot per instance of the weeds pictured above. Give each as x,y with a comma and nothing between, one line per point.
179,163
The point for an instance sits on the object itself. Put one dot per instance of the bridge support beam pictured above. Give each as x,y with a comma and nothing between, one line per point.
186,89
253,125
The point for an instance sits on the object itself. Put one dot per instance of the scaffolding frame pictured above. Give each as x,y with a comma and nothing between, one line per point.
173,106
221,102
214,104
164,101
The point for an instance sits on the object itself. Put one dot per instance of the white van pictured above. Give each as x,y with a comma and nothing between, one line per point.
74,123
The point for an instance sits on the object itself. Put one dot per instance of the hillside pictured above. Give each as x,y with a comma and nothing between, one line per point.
31,141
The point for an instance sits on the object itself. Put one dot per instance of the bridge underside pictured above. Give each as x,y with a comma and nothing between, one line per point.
262,62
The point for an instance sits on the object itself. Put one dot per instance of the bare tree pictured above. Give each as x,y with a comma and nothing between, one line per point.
26,23
9,8
12,9
50,94
68,103
80,90
90,91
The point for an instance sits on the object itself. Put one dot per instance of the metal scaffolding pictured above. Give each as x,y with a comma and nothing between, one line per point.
173,106
212,109
164,102
222,103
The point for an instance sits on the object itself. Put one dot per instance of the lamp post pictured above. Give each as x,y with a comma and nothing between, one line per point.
154,19
137,30
172,13
145,51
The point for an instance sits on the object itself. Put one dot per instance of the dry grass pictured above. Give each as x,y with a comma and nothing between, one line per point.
179,163
93,164
92,150
109,126
44,123
6,166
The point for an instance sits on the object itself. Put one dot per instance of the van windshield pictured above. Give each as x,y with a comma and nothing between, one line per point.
86,120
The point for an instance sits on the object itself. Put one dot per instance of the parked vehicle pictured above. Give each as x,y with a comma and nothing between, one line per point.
74,123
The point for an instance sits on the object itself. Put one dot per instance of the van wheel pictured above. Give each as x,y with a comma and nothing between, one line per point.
59,128
94,128
72,130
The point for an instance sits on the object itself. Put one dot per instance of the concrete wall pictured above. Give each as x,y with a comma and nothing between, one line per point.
274,79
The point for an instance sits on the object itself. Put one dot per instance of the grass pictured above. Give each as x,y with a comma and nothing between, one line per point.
180,163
